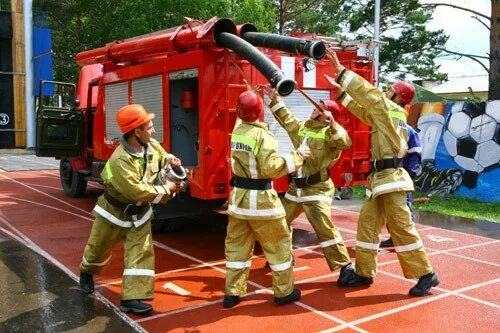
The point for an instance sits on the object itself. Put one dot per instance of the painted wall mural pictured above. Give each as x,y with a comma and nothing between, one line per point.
460,148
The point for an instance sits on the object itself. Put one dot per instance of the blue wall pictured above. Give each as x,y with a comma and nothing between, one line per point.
42,55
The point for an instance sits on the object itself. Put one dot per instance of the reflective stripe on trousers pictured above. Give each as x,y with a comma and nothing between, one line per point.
411,253
274,238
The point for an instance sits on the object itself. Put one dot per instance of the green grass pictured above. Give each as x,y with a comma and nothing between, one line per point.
454,205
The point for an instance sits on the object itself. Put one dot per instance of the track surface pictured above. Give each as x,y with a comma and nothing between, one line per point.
190,272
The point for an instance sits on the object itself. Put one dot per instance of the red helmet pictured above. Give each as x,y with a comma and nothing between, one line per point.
404,90
250,106
331,106
132,116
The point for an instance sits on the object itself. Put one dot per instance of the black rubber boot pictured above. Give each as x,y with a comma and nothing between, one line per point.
86,283
293,297
387,243
135,306
359,280
346,274
230,301
424,284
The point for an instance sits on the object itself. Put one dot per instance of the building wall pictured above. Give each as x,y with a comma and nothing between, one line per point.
460,148
483,95
6,96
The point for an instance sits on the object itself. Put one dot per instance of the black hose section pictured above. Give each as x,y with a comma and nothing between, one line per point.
269,69
313,49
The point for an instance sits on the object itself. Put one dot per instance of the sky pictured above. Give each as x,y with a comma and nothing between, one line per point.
467,35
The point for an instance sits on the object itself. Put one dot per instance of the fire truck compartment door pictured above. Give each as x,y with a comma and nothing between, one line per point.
59,124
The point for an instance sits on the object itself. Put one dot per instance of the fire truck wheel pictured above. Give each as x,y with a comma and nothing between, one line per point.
166,225
73,182
346,193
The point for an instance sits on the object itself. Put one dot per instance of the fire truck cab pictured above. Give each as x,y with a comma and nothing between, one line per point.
190,77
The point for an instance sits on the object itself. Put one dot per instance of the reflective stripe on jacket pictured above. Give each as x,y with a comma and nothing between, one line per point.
326,143
254,155
389,134
129,178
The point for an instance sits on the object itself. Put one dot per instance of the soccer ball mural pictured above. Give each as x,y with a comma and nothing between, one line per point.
472,138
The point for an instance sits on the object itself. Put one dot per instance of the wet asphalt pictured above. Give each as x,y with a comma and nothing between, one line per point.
36,296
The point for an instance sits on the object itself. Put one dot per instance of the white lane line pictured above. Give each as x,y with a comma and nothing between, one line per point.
301,268
43,193
409,306
23,239
90,183
45,186
176,289
50,207
35,161
179,270
453,292
471,259
302,221
305,306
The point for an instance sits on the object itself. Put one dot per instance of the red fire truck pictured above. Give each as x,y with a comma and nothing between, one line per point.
190,77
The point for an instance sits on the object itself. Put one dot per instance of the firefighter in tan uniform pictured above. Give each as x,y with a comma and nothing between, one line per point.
311,188
389,181
124,213
255,210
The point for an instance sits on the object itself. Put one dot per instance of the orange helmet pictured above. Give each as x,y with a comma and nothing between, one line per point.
132,116
331,106
404,90
250,106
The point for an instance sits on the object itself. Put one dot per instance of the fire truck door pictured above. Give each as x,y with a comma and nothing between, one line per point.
184,116
59,124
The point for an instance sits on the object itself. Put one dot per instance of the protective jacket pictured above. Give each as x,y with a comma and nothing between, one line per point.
389,133
387,187
326,144
129,177
124,213
254,155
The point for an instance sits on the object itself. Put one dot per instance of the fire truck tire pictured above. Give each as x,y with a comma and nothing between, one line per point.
73,182
346,193
167,225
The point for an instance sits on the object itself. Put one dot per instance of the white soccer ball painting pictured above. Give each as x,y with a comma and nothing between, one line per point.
472,137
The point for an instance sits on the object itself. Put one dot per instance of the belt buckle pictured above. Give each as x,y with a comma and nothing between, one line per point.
127,207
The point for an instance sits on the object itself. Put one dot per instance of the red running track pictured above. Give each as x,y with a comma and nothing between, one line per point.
190,272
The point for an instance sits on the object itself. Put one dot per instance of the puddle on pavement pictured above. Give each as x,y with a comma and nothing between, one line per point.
469,226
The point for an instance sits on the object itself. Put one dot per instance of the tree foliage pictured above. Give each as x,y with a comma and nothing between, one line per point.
79,25
410,49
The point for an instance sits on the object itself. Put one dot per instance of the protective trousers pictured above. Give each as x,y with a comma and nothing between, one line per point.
138,275
394,209
318,213
274,238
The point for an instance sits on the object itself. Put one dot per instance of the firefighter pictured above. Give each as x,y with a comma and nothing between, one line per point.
389,181
255,211
311,189
124,211
412,164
